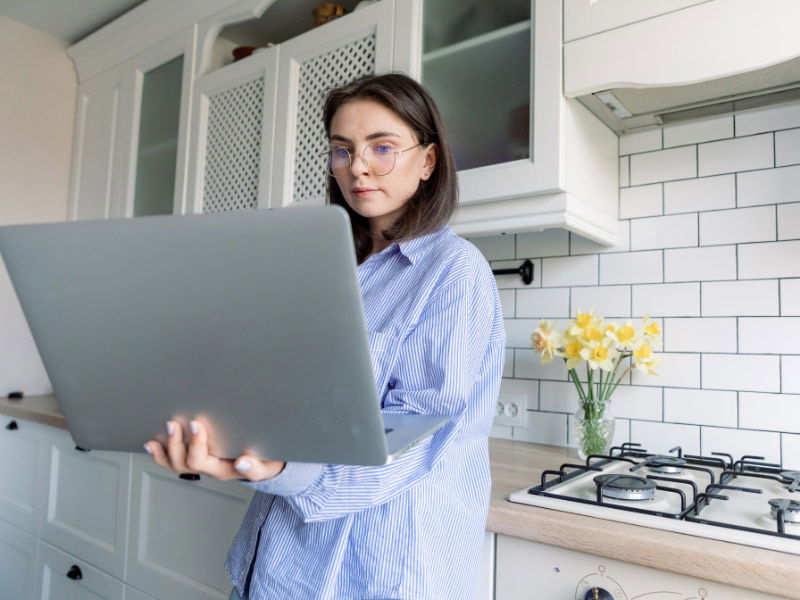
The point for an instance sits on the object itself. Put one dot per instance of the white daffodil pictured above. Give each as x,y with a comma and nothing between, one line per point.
546,339
599,355
645,360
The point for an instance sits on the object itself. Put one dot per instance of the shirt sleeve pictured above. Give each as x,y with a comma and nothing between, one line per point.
437,372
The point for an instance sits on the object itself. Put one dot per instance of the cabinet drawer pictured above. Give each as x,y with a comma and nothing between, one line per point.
17,563
64,577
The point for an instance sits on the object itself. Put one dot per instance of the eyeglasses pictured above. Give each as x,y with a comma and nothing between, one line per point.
378,158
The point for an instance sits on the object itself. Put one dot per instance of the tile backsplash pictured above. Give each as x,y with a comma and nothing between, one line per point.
709,246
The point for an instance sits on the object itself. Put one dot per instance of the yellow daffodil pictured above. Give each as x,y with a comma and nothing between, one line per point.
644,359
572,352
599,356
582,323
546,340
651,330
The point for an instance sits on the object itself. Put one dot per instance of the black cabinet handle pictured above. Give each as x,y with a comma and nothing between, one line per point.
12,426
79,449
190,476
75,573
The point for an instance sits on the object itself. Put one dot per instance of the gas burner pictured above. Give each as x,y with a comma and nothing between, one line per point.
666,464
790,508
626,487
793,479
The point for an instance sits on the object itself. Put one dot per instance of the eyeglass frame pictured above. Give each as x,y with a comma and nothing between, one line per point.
366,164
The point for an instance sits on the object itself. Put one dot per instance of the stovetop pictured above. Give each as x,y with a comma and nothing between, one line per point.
746,500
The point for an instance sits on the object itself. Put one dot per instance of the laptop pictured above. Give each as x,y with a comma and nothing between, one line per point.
250,321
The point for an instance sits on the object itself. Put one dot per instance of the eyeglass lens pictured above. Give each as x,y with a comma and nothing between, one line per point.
379,158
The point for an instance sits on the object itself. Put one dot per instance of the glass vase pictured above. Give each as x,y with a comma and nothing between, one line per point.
592,434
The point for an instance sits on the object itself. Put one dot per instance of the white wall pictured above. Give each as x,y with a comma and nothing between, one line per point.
38,87
710,246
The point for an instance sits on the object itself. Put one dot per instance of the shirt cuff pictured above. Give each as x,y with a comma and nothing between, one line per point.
295,478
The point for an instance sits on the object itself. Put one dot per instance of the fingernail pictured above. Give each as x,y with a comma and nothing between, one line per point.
147,449
243,465
170,428
193,427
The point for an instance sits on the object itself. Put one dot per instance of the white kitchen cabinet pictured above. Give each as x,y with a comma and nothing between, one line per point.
62,576
17,563
484,589
694,43
87,503
180,532
131,593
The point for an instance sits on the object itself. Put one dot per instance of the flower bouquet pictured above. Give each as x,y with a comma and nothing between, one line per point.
609,352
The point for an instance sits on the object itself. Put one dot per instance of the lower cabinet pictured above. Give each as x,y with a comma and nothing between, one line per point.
17,563
64,577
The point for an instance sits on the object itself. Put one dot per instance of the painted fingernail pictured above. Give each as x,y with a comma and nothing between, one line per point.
147,449
243,465
193,427
170,428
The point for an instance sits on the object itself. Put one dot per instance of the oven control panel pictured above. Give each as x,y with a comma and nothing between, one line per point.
532,571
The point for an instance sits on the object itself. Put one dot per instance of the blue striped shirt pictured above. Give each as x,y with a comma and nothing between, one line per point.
411,529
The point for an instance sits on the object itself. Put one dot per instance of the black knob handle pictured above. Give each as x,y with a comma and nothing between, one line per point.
75,573
597,593
12,426
79,449
190,476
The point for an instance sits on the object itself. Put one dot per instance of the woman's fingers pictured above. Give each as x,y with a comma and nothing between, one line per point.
176,449
156,451
255,469
198,459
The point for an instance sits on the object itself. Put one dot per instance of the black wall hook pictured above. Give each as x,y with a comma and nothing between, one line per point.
525,271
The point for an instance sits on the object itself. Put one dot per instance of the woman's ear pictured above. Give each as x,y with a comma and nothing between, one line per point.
429,164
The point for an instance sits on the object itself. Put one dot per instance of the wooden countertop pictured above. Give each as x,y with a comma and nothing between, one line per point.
516,465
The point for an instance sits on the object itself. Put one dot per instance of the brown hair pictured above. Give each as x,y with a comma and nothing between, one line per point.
436,198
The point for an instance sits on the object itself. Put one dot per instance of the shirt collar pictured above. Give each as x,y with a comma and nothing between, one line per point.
415,248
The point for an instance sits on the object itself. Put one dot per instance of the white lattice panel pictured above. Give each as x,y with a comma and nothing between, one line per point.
233,148
318,75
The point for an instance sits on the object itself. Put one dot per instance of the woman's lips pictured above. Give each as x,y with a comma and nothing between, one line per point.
363,191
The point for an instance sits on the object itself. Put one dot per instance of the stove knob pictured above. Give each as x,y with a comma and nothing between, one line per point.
597,593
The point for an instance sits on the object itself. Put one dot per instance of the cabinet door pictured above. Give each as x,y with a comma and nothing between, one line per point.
484,589
64,577
131,593
17,563
87,504
310,64
234,109
180,533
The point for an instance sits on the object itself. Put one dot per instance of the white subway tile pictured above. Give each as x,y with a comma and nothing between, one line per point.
518,332
705,193
495,247
674,370
641,201
789,221
609,301
693,132
508,363
790,451
740,298
768,119
543,303
641,141
700,407
661,437
700,264
528,365
773,412
769,259
770,186
664,165
740,154
631,267
787,147
501,432
700,335
790,297
737,226
637,402
514,281
543,428
769,335
790,374
624,171
669,300
522,386
741,442
750,372
580,245
550,242
558,396
664,232
569,270
507,303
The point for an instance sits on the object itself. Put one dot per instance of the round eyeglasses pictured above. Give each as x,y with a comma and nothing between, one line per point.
379,158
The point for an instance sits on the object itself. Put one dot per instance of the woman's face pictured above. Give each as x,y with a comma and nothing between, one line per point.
381,199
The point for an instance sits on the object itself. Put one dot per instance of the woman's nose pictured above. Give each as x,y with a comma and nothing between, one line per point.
358,166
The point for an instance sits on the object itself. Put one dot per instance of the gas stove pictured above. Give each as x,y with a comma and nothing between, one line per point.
746,500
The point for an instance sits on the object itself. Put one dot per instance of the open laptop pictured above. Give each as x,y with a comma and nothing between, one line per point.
250,321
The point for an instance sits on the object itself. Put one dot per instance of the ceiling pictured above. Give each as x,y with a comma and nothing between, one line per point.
66,20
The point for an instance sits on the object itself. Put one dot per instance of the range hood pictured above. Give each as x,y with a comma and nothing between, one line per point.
625,109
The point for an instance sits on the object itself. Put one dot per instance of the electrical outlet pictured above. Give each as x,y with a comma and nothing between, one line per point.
511,410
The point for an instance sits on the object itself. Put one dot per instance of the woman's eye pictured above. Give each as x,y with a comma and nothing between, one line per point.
339,153
381,149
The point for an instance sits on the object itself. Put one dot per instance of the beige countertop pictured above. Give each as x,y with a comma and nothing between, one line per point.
516,465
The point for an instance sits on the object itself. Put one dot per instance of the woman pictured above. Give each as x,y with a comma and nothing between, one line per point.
411,529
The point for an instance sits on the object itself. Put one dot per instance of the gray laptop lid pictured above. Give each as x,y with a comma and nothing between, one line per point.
251,321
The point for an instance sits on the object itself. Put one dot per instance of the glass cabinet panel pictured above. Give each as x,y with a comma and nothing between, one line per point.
476,64
158,139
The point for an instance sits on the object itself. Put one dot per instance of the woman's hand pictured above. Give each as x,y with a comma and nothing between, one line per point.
194,457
